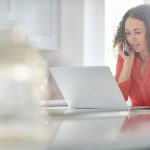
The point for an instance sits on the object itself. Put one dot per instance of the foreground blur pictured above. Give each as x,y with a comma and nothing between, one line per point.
22,74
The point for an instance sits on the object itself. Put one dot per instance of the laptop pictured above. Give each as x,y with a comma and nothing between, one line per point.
87,87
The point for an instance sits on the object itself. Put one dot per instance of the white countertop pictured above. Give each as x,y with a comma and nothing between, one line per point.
79,129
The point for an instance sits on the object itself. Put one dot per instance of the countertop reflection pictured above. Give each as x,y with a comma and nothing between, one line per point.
78,129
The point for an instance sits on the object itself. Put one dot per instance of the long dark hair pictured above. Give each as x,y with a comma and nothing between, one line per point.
141,12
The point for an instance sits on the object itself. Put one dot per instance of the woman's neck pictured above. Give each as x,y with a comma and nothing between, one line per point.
144,55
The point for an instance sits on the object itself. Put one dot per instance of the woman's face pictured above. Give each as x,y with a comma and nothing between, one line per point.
135,32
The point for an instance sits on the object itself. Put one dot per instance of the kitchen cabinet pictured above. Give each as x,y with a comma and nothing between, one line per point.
39,19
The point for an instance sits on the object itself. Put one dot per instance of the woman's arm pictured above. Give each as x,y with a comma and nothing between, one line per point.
126,70
123,72
126,66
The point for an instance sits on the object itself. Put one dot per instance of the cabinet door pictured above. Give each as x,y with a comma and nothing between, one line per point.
9,11
40,19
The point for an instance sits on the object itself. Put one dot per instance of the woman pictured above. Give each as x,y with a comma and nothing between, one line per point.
133,71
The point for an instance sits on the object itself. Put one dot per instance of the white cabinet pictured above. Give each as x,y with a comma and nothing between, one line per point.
9,11
40,19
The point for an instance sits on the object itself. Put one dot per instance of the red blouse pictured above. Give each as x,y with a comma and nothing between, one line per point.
136,87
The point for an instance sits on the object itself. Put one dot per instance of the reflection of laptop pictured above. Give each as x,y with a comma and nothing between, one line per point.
84,132
89,87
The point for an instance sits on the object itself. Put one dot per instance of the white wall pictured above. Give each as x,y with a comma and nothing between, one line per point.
94,53
71,35
147,1
81,34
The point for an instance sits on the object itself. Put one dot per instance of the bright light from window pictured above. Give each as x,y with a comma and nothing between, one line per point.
114,10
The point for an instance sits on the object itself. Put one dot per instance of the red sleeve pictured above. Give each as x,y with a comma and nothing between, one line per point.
119,66
124,86
133,121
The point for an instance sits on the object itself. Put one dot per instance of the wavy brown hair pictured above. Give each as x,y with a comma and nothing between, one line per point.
141,12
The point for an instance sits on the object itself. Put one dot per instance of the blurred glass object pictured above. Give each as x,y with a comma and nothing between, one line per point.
23,72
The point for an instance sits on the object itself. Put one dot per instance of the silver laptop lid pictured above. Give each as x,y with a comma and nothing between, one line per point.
89,87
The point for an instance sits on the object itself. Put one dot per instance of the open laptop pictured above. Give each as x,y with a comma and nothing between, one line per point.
89,87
